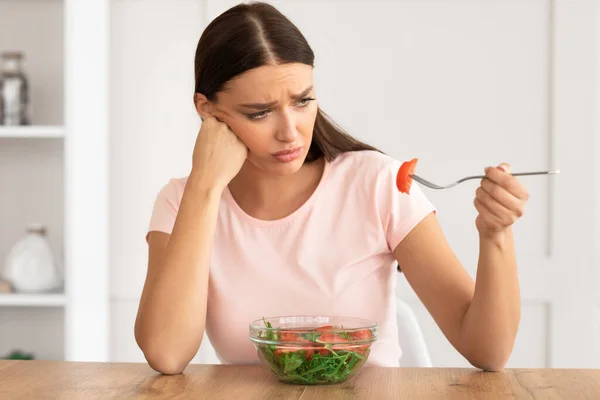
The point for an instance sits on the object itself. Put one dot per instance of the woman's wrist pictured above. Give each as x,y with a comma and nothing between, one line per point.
498,239
199,182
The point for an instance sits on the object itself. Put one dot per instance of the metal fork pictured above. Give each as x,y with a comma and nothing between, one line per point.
434,186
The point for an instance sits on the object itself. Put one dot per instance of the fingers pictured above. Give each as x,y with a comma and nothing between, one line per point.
501,175
213,122
499,213
500,199
490,219
208,119
490,191
496,207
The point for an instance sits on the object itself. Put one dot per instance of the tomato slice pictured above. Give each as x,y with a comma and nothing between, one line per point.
308,350
403,179
290,337
363,334
330,337
325,329
287,336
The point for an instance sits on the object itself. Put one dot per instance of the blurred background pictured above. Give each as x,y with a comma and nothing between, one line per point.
97,116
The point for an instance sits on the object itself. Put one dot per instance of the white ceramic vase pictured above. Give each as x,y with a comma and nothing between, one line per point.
30,266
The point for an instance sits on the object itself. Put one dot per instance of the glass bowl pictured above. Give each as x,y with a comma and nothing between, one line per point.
313,350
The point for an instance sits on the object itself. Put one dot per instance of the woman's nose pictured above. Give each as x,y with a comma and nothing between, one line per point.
287,131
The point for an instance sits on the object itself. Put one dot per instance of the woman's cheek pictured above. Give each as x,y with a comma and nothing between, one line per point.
254,140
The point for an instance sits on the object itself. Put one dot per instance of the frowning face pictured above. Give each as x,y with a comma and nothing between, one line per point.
272,109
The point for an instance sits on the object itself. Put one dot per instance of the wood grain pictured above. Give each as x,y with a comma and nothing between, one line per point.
63,380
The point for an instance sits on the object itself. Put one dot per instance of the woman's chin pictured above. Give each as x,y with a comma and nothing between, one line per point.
287,168
279,168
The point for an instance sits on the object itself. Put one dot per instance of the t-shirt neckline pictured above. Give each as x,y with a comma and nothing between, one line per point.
281,221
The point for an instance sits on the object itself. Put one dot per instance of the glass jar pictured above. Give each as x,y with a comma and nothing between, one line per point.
14,90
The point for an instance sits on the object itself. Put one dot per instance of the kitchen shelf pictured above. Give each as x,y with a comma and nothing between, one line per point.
60,183
32,132
32,300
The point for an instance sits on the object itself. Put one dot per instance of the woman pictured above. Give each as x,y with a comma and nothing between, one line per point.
284,214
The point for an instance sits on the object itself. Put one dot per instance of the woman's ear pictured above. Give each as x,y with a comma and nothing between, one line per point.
203,106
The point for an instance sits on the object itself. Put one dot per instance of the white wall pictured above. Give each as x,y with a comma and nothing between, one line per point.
153,128
596,135
438,80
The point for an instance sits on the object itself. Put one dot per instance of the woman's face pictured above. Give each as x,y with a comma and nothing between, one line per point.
272,109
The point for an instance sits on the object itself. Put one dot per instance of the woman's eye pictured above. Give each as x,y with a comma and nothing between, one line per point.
262,114
258,115
304,102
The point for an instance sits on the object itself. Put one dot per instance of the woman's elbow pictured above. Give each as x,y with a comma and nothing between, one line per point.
490,366
160,358
490,362
164,364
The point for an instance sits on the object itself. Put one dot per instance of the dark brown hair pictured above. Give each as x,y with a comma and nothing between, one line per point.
254,34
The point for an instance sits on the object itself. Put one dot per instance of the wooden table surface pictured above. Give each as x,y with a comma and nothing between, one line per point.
63,380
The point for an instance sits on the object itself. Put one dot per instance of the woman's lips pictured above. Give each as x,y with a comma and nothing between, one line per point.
289,155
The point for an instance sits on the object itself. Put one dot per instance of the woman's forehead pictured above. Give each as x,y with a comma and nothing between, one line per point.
269,82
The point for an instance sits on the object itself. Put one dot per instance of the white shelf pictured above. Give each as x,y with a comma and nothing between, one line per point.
67,59
31,132
32,300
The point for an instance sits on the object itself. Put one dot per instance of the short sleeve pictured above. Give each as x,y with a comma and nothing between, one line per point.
165,208
399,212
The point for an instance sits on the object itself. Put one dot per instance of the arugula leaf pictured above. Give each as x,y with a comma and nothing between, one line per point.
267,324
271,334
344,335
291,361
312,336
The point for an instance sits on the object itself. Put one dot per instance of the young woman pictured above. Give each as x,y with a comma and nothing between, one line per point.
285,214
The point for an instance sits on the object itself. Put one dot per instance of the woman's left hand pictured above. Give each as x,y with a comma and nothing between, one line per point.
500,201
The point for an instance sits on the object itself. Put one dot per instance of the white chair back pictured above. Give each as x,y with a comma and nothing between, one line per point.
410,336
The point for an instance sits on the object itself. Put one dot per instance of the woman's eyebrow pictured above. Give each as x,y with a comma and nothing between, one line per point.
304,93
262,106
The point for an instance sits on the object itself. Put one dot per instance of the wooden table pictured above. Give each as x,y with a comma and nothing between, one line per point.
62,380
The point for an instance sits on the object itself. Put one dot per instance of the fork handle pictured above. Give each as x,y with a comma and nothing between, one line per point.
550,172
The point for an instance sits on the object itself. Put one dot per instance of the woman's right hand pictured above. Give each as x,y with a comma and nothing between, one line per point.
218,154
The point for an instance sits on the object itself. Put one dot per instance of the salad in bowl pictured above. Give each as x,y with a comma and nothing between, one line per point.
313,350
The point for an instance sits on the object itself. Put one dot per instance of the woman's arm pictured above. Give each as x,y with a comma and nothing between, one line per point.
495,312
479,319
172,312
170,323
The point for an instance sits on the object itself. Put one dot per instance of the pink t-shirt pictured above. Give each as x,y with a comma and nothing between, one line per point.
332,256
